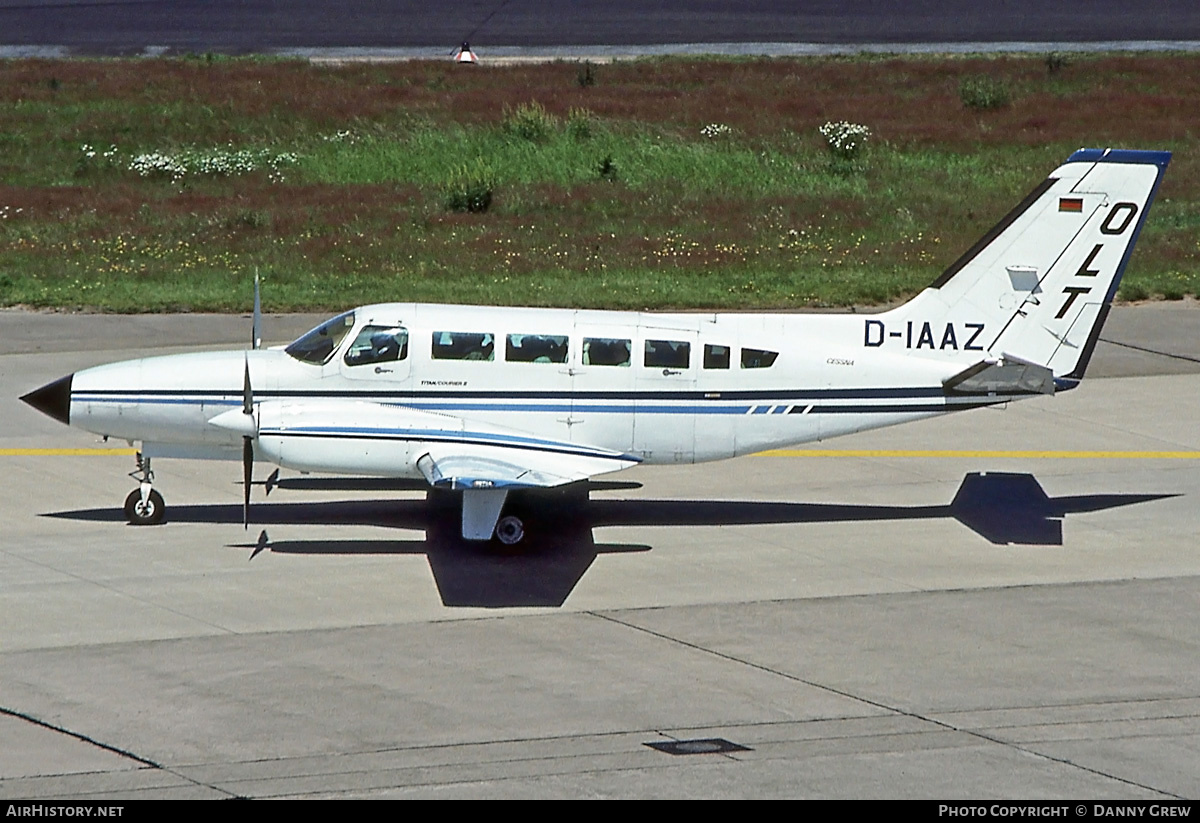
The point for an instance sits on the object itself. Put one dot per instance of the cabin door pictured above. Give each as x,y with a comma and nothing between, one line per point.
602,370
667,362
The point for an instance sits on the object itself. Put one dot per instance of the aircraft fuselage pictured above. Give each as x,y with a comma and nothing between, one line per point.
662,388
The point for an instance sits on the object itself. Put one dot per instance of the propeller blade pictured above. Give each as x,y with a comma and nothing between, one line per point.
247,474
272,481
247,392
247,445
256,327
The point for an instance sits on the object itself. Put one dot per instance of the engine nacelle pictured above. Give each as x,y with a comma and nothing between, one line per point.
348,437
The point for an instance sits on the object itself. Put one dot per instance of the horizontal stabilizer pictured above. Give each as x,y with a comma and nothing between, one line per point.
1009,375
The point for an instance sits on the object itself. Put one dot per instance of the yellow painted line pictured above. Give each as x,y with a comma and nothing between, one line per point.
66,452
1026,454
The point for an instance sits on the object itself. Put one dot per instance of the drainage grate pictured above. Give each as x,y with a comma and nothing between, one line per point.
708,745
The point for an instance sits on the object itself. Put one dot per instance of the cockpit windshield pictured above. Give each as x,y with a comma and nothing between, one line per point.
318,345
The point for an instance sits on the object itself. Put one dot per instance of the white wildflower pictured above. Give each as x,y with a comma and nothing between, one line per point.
844,139
342,136
157,164
220,162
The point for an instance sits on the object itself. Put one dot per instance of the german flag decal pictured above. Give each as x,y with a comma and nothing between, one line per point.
1073,204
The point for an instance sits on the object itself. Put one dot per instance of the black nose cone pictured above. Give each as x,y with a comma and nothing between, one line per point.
53,399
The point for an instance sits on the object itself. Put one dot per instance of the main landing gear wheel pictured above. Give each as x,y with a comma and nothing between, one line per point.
510,530
149,513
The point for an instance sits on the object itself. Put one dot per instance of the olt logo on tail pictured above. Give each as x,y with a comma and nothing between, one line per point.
1115,223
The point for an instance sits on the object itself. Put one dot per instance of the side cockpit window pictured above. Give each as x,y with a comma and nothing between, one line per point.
378,344
318,345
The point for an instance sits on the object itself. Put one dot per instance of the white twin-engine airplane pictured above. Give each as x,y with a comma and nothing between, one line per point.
490,400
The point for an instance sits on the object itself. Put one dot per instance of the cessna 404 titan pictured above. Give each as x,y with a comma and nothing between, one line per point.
485,401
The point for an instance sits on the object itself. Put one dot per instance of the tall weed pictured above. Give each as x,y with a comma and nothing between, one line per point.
982,92
530,121
470,187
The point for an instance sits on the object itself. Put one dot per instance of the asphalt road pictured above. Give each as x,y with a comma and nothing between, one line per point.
135,26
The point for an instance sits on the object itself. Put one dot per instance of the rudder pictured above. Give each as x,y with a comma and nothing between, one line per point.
1040,283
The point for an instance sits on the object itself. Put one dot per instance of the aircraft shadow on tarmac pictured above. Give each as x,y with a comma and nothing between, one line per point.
1004,508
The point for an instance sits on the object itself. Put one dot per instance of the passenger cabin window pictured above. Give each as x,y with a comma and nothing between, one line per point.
457,345
378,344
757,358
318,345
536,348
716,357
668,354
604,351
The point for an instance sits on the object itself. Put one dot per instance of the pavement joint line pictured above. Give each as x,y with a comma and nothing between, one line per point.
670,733
1092,722
894,710
1150,350
430,783
19,715
83,738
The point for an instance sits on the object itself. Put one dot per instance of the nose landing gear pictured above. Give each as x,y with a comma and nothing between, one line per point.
144,506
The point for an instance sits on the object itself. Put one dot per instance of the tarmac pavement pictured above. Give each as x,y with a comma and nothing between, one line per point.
927,611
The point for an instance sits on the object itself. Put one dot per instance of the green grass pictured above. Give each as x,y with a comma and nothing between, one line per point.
754,214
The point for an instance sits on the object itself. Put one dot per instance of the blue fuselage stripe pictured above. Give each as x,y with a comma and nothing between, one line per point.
760,396
910,400
866,408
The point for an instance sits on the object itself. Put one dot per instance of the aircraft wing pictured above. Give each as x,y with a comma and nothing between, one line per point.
451,452
485,466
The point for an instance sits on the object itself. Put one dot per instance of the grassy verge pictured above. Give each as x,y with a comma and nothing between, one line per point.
135,185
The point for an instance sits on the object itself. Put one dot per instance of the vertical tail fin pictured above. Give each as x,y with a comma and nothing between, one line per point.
1038,286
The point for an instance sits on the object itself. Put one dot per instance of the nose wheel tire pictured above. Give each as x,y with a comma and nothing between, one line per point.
510,531
150,513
